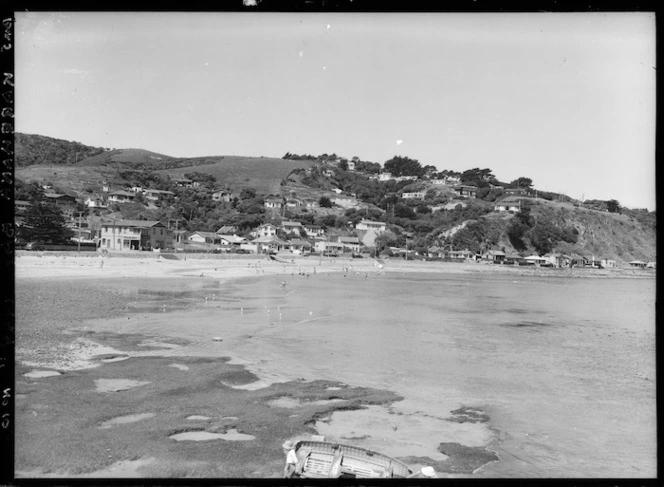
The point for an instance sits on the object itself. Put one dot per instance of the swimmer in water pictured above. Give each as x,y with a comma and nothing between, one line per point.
283,283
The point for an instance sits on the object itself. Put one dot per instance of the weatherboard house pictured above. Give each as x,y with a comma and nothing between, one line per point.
135,235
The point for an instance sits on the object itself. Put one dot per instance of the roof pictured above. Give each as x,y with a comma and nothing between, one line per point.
291,224
226,229
495,252
205,234
351,240
233,238
266,225
121,193
269,240
299,241
315,227
147,190
133,223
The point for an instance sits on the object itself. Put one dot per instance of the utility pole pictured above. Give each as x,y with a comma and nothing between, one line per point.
79,229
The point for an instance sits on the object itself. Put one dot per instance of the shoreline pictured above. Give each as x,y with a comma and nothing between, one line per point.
94,265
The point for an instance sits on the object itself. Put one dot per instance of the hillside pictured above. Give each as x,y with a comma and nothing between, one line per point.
30,149
264,174
131,157
73,167
616,236
442,218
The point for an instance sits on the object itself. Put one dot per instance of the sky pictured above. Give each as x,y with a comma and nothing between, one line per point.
566,99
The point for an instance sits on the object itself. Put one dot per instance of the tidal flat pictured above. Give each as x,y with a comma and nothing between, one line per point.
479,374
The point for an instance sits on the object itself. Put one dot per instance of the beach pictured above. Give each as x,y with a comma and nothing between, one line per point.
259,351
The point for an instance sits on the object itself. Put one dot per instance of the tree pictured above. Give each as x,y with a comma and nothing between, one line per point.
343,165
403,166
477,177
247,193
613,206
44,224
325,202
525,183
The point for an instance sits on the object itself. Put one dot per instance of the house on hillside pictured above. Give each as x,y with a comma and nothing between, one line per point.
328,172
204,238
273,202
371,225
351,165
60,200
292,228
313,230
311,203
350,244
637,263
294,203
221,195
95,203
135,235
608,263
156,194
466,191
121,196
265,230
384,176
505,205
183,182
416,195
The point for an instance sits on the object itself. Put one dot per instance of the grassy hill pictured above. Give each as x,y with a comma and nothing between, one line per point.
73,167
264,174
131,157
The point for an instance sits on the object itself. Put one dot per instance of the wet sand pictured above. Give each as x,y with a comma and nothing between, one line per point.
264,373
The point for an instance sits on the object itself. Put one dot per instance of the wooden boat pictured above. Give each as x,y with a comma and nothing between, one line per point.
322,459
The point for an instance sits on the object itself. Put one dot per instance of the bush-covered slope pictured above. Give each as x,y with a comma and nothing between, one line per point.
32,149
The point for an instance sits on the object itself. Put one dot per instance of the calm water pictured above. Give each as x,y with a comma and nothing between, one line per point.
565,368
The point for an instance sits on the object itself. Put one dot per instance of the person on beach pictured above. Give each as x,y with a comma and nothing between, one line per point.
291,459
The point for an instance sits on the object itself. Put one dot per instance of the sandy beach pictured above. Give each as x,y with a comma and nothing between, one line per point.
120,333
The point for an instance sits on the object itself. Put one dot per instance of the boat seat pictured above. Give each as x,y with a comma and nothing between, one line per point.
318,464
362,469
